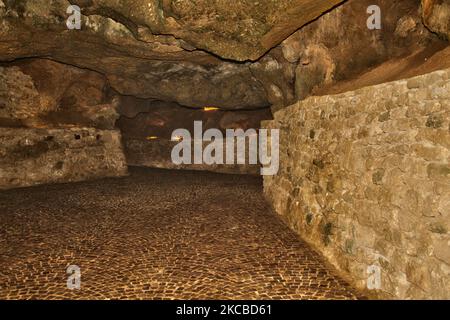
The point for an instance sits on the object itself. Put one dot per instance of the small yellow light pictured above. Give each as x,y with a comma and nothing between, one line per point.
152,138
210,109
177,138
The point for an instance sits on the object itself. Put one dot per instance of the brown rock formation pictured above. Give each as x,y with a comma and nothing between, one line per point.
194,52
361,173
43,93
339,47
162,43
436,16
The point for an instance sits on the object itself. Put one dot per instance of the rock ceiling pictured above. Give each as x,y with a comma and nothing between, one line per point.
180,50
214,52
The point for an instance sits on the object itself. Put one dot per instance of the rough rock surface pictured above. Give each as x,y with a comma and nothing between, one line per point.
157,154
143,118
197,53
55,125
240,30
364,177
43,93
364,174
147,128
37,156
338,46
436,15
162,43
19,98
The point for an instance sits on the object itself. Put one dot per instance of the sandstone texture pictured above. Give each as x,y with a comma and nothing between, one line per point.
365,178
147,127
241,55
56,125
365,143
157,154
141,118
170,48
37,156
240,30
147,68
436,15
339,47
43,93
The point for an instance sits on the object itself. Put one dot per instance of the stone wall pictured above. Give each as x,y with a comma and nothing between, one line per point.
157,154
147,127
35,156
56,125
365,178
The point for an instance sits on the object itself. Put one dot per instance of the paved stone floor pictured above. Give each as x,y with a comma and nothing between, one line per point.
156,235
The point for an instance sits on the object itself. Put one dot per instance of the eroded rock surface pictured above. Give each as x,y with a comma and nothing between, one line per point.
364,174
198,53
30,156
163,44
239,30
44,93
147,128
157,64
436,15
55,125
338,46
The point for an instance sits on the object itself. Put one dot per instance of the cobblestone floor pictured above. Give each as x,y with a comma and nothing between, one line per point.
156,235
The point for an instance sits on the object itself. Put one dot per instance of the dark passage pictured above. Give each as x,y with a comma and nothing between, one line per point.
156,234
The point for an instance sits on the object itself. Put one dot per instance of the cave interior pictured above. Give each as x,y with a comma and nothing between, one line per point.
103,99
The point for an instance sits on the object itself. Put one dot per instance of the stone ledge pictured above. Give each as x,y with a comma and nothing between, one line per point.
36,156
